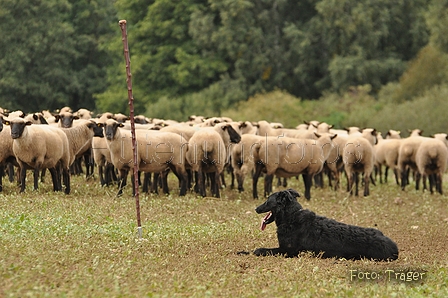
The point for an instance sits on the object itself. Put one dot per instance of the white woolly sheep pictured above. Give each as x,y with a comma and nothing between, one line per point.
39,147
84,114
334,163
156,152
246,127
243,157
207,154
6,153
103,160
358,157
406,157
265,129
36,118
386,154
288,157
80,137
431,159
65,119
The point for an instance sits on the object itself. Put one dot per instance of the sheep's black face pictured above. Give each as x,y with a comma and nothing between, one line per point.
17,128
234,135
67,120
110,130
275,203
97,129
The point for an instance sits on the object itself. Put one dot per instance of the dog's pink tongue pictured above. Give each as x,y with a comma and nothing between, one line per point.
263,222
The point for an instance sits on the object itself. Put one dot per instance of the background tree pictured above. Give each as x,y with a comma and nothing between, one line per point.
51,54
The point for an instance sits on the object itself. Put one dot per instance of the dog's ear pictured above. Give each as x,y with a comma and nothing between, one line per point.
293,193
287,196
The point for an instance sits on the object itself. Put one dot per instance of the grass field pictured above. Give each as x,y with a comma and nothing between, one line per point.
85,245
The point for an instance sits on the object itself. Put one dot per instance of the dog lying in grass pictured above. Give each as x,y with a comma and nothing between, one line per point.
300,230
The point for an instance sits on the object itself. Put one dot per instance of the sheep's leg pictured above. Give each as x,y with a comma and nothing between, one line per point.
357,183
223,180
418,176
350,183
155,183
2,174
200,183
258,169
42,175
240,181
386,171
11,172
279,181
268,184
66,177
101,174
404,176
196,187
146,182
36,178
182,176
133,183
424,182
307,181
216,183
54,178
189,178
380,172
122,181
439,179
366,185
396,174
232,177
319,180
164,180
22,178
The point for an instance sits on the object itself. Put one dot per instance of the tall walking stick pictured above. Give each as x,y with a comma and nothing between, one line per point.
124,38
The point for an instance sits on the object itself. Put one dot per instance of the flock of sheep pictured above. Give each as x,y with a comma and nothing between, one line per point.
200,150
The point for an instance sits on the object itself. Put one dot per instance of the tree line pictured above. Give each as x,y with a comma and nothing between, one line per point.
197,56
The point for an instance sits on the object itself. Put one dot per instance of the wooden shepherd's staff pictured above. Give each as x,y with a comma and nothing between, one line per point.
124,38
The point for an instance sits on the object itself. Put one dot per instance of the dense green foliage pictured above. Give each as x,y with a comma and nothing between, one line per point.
53,52
214,57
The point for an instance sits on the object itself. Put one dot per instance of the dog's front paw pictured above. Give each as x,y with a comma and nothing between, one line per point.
261,251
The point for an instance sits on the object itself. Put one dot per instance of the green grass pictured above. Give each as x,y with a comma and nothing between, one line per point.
85,245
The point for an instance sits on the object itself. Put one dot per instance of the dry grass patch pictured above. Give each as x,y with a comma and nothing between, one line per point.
85,244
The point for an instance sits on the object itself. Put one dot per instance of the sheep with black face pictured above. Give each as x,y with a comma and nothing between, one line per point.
39,147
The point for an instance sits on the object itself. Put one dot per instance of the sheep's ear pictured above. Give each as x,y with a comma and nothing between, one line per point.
28,123
333,136
306,122
330,126
317,135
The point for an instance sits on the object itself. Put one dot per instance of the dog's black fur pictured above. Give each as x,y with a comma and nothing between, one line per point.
301,230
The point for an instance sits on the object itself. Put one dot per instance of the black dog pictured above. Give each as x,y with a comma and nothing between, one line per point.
300,230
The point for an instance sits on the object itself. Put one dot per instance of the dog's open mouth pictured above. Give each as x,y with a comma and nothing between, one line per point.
266,220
